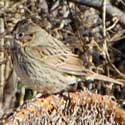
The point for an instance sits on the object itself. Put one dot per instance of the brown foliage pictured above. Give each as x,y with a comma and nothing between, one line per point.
78,107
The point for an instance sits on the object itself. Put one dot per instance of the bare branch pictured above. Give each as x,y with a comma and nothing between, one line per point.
110,9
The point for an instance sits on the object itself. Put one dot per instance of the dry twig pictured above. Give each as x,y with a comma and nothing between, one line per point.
110,9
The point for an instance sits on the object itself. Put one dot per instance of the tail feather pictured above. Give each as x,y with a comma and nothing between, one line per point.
95,76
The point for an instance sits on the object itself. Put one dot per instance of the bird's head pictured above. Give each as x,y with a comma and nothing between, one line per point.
25,32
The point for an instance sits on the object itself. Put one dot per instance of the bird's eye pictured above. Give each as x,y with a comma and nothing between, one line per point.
31,34
20,35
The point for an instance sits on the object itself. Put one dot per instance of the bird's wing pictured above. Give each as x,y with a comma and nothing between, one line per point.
70,64
67,62
63,61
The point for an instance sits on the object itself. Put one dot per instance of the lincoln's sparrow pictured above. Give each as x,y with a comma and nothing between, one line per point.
44,63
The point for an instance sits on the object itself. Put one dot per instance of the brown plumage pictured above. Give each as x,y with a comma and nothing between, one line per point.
44,63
